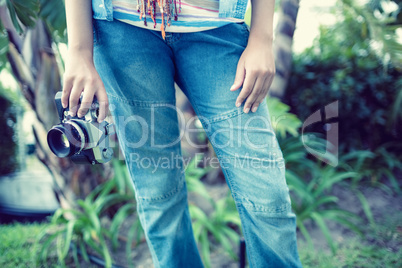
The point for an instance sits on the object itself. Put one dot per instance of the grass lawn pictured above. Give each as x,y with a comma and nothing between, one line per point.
355,254
17,243
381,247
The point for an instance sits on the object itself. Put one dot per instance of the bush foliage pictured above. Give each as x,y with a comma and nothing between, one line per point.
344,65
9,109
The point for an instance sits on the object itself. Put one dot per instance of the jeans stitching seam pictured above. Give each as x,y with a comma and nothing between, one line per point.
166,196
260,208
254,208
230,114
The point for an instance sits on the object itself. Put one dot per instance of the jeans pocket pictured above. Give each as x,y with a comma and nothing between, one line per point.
244,31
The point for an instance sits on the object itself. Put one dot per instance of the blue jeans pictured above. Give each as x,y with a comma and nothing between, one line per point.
139,70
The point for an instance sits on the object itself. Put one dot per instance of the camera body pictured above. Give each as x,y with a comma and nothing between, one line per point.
84,140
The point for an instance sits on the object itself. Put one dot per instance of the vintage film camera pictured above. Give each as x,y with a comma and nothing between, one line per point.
84,140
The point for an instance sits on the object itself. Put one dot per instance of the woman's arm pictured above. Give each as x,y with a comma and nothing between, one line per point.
256,67
81,75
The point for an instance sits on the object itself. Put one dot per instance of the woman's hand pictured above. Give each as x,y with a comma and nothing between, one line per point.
255,71
82,77
256,67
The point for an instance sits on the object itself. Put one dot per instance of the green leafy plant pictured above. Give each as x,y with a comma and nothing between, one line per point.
311,181
53,13
312,200
282,120
81,227
221,223
25,14
375,166
22,12
378,25
193,175
379,247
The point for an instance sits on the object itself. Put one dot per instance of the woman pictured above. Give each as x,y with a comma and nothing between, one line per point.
129,54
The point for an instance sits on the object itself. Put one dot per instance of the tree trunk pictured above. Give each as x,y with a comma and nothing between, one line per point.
283,46
35,67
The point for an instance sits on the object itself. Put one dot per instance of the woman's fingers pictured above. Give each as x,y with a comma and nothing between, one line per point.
260,98
247,89
103,104
74,98
86,101
67,86
255,94
264,92
258,102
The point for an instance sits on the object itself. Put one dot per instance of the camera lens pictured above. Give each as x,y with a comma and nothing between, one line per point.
66,139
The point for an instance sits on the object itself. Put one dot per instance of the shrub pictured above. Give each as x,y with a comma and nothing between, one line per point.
9,112
364,90
343,65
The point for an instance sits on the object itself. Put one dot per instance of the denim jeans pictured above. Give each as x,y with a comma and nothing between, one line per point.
139,70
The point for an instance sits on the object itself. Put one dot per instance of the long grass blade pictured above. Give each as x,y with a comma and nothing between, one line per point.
129,243
206,254
83,250
90,212
366,207
118,219
68,238
305,233
321,223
